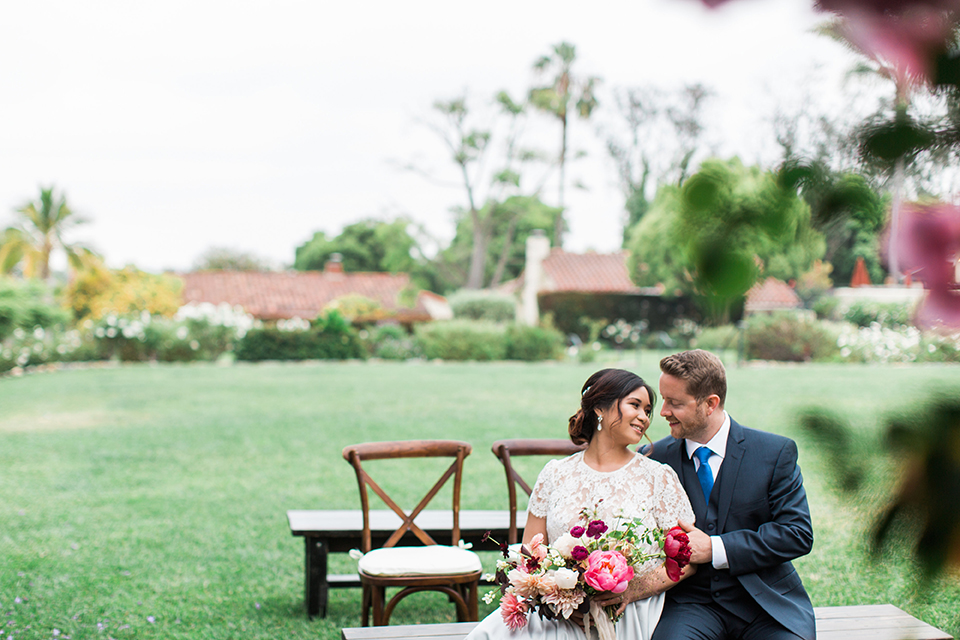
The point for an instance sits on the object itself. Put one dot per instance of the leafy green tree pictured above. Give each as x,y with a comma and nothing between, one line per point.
511,222
847,211
39,231
368,245
716,234
555,99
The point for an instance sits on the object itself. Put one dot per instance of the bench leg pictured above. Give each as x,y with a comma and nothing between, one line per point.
316,587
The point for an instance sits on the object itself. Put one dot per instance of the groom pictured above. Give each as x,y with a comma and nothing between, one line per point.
751,515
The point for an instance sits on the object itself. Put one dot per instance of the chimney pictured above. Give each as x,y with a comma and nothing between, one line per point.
538,248
334,264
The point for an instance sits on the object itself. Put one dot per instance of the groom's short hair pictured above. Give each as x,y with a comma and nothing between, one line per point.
701,370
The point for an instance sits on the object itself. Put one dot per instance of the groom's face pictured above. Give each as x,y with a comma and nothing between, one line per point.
687,418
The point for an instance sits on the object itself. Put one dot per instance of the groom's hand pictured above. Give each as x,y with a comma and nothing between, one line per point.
701,548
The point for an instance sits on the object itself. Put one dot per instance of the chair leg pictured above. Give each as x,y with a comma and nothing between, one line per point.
365,607
378,593
471,598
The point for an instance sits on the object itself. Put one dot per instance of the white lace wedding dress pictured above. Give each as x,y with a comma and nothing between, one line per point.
642,488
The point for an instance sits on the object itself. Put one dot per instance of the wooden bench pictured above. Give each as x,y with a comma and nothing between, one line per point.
875,621
335,531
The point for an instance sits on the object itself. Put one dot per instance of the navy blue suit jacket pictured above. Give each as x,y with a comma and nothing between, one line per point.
761,515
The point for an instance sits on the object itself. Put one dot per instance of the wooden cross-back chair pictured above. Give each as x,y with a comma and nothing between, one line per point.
432,567
507,449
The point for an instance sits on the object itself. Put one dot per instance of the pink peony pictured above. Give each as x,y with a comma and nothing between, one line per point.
608,571
514,611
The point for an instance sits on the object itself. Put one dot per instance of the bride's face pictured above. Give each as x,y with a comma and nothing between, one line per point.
635,409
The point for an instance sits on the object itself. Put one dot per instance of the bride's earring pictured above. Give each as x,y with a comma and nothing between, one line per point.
599,423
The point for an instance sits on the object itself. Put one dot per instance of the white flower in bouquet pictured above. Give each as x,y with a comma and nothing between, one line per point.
566,578
565,544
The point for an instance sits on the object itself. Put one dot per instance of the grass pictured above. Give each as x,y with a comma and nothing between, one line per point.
149,501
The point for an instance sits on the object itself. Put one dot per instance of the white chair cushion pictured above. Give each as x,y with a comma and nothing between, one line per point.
419,561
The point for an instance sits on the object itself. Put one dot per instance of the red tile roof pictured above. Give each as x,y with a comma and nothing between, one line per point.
274,295
770,295
587,272
584,273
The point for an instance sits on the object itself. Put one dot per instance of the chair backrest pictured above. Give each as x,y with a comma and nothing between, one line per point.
507,449
358,453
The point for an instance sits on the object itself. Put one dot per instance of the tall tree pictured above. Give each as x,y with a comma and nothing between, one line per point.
513,220
39,231
555,98
654,141
471,149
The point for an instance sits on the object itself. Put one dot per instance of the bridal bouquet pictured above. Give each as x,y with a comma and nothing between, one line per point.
593,557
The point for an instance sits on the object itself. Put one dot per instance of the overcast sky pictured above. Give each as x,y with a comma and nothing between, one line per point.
175,126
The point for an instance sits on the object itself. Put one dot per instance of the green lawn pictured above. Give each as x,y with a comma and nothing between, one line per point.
150,501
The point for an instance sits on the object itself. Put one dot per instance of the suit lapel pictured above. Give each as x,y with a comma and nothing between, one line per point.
729,471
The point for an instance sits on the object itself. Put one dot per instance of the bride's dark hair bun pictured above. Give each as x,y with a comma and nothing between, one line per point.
602,390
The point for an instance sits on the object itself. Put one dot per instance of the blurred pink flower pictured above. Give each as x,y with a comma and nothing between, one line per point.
929,244
906,35
514,611
537,550
526,585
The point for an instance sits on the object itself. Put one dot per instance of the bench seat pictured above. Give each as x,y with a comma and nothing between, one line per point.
872,621
338,531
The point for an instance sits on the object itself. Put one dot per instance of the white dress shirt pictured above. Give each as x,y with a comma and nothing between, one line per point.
718,447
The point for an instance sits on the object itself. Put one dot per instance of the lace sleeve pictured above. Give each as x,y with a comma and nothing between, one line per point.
670,502
540,497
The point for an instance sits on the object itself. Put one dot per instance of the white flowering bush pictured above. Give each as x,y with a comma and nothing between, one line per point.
623,333
880,344
197,332
40,345
219,315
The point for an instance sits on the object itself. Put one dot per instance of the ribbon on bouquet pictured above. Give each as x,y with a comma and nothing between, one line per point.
605,627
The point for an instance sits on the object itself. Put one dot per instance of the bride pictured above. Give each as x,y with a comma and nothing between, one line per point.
614,414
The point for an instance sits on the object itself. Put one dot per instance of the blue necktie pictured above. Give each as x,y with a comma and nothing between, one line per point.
704,473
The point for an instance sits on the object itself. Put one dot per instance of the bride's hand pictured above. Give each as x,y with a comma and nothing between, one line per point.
620,600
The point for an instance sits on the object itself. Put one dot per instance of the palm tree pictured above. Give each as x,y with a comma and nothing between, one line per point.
39,231
555,98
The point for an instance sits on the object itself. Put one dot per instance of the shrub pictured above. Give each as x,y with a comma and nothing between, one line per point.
38,346
826,308
27,305
533,343
393,342
98,292
483,305
358,309
877,343
717,338
462,340
197,332
330,338
892,315
788,336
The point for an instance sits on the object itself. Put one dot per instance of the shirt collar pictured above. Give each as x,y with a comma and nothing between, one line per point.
717,444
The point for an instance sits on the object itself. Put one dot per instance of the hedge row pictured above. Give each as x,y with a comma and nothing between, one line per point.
451,340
